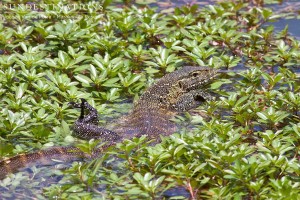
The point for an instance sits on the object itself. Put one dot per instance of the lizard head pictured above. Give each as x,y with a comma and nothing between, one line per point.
191,78
187,88
180,90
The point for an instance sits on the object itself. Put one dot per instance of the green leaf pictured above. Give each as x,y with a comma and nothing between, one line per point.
262,116
83,79
20,91
111,82
93,71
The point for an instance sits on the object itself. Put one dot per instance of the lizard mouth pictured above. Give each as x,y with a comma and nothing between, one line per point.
196,85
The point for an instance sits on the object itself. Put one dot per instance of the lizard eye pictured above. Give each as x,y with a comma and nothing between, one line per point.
195,74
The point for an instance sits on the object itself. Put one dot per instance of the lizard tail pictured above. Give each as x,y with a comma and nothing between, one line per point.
43,157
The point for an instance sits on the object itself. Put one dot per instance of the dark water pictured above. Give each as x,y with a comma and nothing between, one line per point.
293,26
291,9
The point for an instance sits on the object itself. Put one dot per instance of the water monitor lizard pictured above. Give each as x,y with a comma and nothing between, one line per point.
176,92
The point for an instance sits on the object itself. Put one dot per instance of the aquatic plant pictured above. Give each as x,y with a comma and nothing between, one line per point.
245,145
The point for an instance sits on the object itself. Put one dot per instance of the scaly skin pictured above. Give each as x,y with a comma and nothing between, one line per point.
176,92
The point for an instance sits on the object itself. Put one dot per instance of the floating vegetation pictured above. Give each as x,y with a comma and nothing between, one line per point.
244,146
